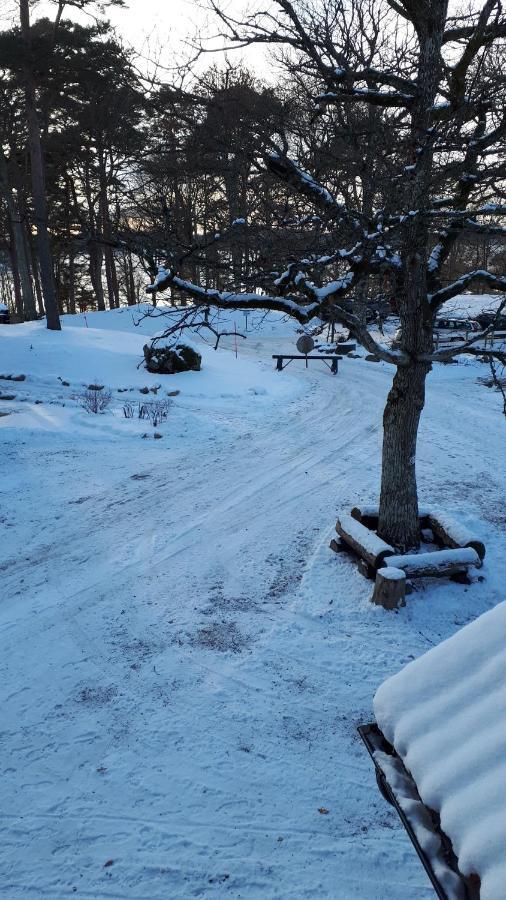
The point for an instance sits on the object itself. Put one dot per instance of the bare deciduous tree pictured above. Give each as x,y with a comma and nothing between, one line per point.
432,87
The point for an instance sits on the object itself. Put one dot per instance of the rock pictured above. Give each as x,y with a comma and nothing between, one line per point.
372,358
166,360
13,377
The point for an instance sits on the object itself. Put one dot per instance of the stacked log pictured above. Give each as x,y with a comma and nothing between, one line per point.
364,542
452,534
437,563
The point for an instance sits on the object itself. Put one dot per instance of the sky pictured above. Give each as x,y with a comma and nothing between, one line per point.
157,29
170,26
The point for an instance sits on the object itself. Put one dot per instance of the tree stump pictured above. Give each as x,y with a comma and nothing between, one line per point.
389,588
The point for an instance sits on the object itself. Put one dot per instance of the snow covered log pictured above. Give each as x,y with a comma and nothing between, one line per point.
364,542
389,588
436,564
368,515
453,534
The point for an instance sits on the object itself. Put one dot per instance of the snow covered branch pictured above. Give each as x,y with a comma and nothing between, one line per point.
285,169
321,299
478,276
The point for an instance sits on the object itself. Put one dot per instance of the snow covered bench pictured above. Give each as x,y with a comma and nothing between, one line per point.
441,732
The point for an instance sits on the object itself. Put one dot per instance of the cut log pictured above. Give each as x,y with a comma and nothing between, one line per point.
338,546
369,515
389,588
364,542
436,564
453,534
366,570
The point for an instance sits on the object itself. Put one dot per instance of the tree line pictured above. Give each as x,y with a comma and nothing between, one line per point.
106,173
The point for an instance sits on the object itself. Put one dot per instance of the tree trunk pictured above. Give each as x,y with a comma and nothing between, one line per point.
96,273
28,310
398,514
38,179
398,522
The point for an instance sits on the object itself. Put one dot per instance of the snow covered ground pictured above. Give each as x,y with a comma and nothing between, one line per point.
184,661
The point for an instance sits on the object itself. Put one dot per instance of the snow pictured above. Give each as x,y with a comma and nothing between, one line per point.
364,536
392,573
437,559
470,305
183,660
421,823
445,715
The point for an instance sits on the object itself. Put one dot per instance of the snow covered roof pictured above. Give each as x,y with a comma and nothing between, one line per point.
445,714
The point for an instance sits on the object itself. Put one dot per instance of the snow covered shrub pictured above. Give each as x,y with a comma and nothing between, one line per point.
170,358
95,400
156,411
128,410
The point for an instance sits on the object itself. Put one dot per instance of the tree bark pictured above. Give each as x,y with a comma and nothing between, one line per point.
399,523
28,310
398,515
38,178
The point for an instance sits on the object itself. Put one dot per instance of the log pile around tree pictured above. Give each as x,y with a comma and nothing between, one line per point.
460,551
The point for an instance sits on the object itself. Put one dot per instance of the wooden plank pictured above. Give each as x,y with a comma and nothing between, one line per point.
441,865
452,534
364,542
436,564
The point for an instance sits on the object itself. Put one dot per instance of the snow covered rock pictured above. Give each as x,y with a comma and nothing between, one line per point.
168,359
445,714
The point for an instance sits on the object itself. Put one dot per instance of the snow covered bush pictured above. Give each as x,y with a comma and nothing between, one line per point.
156,411
95,400
166,359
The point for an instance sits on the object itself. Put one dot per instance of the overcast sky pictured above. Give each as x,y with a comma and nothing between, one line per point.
173,24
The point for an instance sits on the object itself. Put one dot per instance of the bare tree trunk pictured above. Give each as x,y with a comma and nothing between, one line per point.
28,310
36,281
96,273
18,298
398,513
38,179
399,496
72,280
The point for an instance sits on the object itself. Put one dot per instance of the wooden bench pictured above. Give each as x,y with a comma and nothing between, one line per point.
330,361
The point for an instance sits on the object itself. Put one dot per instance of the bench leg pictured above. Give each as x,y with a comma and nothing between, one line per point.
279,364
333,367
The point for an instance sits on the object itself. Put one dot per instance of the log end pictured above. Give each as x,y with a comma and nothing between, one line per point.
389,588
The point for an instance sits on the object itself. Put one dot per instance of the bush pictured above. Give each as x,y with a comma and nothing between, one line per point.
156,411
168,359
95,400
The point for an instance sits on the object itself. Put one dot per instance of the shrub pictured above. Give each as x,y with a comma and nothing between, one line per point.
95,400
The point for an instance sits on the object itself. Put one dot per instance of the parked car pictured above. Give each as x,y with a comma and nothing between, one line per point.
447,324
5,316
